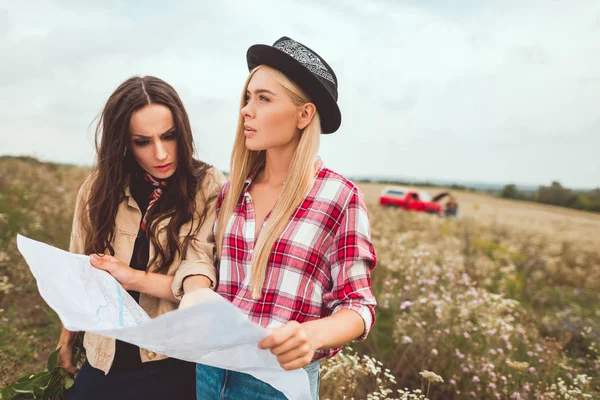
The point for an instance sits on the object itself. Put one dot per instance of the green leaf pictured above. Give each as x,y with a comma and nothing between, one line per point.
52,360
25,391
54,391
38,392
24,380
31,384
7,393
23,397
68,381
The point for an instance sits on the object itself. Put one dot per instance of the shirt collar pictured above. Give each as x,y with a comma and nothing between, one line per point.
252,176
130,200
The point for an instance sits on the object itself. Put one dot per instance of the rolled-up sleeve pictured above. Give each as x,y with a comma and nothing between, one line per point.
199,258
352,258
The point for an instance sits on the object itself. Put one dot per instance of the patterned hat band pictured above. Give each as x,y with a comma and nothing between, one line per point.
305,57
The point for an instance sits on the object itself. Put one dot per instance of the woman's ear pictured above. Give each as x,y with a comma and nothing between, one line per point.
307,112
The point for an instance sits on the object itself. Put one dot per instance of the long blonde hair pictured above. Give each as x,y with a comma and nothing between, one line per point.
300,179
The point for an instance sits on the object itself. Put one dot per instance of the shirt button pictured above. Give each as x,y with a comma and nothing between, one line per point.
151,355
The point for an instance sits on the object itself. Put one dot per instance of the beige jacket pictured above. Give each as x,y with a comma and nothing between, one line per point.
100,350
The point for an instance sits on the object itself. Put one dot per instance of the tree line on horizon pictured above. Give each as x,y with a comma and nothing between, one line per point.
556,195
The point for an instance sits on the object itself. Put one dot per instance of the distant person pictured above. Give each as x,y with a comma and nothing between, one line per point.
149,206
451,207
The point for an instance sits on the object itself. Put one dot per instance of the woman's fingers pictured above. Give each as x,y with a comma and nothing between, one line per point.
302,352
104,262
71,369
297,363
280,335
99,261
290,344
65,357
297,340
122,272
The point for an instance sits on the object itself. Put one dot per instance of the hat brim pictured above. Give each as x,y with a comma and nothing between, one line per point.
329,112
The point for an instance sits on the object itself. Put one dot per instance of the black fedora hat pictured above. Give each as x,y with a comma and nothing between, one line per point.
307,69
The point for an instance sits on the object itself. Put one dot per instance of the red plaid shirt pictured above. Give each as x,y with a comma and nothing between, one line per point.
320,264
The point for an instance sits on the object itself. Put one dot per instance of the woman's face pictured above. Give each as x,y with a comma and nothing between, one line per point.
153,140
270,115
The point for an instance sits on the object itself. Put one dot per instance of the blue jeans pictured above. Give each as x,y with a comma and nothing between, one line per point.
221,384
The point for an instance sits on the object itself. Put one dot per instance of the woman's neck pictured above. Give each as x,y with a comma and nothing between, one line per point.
277,165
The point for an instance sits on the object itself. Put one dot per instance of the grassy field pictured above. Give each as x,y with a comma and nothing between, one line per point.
36,199
502,302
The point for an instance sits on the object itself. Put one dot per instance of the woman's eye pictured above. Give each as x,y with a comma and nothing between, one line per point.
141,142
264,98
170,136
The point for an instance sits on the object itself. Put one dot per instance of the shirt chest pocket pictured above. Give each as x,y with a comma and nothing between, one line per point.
123,243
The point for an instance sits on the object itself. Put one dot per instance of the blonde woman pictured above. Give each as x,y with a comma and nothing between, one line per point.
293,237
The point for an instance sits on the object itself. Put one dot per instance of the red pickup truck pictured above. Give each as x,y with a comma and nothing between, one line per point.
409,199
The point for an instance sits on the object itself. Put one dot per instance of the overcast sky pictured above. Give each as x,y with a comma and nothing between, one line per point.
490,91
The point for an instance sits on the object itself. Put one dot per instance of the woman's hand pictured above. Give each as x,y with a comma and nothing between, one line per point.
295,344
291,344
65,355
197,296
127,276
65,358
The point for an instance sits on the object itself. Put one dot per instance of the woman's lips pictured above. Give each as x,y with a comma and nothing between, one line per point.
249,131
164,167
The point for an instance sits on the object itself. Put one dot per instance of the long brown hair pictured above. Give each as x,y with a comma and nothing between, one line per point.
115,165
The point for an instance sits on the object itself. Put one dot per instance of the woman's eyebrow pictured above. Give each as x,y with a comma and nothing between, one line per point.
168,131
259,91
